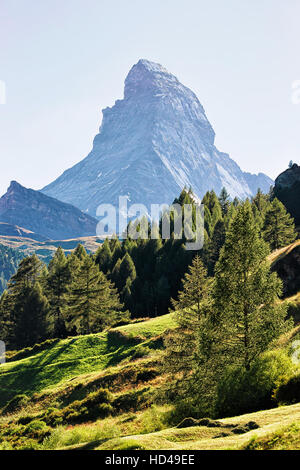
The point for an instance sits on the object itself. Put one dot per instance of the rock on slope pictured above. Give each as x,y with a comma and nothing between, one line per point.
287,190
44,215
151,144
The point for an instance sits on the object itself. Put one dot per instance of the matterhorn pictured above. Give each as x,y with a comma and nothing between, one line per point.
151,144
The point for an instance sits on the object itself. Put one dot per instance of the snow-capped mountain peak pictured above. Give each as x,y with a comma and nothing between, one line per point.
151,144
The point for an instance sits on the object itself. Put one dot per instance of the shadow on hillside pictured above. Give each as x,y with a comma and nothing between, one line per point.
90,445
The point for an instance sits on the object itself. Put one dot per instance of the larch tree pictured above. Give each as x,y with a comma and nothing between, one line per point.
27,306
57,282
246,306
185,352
92,300
279,226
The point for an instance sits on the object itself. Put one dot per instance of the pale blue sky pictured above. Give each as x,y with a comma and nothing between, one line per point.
65,60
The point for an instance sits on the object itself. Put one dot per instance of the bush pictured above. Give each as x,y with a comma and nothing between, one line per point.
240,391
183,409
95,405
132,400
15,404
37,430
140,351
288,391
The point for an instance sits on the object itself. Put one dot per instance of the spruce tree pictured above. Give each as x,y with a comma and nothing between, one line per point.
190,312
31,325
92,301
187,358
279,226
224,201
103,257
115,275
246,306
26,305
58,279
80,252
6,320
215,245
127,271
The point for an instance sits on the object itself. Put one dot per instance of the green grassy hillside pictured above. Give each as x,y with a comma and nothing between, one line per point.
65,360
98,392
276,421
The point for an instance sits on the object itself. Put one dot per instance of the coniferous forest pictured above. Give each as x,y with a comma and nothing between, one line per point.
85,293
152,333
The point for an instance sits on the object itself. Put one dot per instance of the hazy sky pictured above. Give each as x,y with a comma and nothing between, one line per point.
63,61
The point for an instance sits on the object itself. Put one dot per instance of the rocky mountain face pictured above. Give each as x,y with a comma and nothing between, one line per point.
9,261
8,230
287,190
151,144
288,269
43,215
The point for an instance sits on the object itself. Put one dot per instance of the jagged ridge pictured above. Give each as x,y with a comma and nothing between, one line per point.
44,215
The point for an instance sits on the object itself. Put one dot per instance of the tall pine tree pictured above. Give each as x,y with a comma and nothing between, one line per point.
279,226
246,306
92,301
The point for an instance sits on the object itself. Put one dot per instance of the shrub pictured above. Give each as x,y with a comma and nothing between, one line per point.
132,400
15,404
152,420
37,430
140,351
95,405
240,391
183,409
288,391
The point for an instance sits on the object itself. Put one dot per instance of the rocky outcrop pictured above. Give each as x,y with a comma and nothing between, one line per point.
287,267
287,190
151,144
43,215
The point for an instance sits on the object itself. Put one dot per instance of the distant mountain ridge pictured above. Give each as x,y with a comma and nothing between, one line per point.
151,144
8,230
47,217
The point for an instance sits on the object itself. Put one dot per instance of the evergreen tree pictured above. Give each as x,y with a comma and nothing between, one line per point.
279,227
58,278
195,290
80,252
216,243
127,272
190,310
116,251
27,306
103,257
6,325
224,201
261,201
246,304
31,325
187,347
115,275
229,216
92,301
260,205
